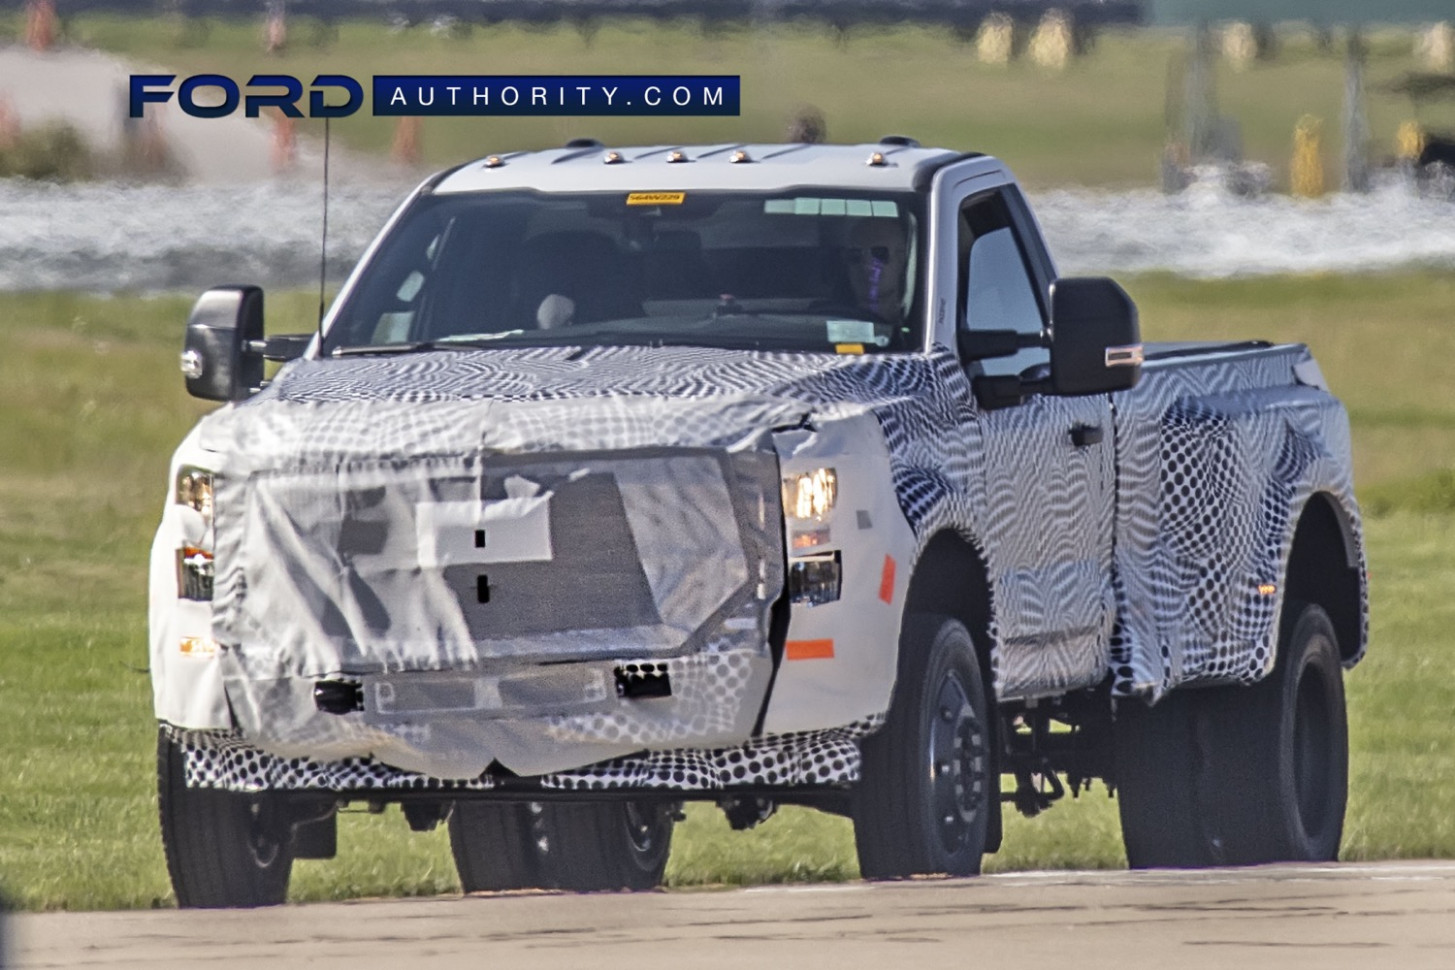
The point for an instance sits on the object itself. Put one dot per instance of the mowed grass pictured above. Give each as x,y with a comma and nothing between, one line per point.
1103,121
91,406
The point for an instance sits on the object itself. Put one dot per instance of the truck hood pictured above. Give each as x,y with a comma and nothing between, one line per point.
547,399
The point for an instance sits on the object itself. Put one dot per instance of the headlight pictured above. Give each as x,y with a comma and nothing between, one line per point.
194,490
810,495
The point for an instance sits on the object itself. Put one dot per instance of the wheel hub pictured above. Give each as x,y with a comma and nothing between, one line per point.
957,764
262,842
642,822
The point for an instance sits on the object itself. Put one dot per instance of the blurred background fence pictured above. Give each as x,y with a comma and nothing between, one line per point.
961,15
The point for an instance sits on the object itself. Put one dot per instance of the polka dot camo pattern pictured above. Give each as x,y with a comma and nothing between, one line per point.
809,758
709,687
1217,459
225,760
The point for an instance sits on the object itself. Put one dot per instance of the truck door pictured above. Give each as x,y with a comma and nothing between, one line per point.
1047,468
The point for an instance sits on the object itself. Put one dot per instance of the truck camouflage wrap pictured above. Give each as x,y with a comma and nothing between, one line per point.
687,485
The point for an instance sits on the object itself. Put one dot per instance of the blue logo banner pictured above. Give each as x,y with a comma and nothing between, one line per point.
498,95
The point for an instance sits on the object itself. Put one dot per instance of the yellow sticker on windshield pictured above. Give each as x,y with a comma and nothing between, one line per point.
849,348
655,198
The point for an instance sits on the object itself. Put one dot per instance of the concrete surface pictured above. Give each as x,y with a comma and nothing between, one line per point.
1325,917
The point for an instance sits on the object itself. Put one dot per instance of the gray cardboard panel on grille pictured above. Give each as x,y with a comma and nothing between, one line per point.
367,568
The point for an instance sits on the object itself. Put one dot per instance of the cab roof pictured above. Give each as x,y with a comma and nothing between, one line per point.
590,166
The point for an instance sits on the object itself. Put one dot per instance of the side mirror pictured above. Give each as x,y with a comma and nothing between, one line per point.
223,355
1096,341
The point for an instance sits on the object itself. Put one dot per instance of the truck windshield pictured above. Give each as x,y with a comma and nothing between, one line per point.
808,270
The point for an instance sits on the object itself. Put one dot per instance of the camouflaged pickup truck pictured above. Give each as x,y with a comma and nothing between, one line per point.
748,474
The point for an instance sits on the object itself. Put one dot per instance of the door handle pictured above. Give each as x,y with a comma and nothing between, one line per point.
1085,434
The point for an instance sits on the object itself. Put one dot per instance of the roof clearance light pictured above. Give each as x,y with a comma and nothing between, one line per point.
613,158
677,156
739,156
494,161
877,159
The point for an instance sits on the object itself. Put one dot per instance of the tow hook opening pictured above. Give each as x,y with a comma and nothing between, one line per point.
641,681
338,696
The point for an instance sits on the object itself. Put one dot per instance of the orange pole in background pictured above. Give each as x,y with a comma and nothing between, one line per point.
284,151
405,149
275,30
9,124
40,25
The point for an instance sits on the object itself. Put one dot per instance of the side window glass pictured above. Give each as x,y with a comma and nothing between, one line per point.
999,293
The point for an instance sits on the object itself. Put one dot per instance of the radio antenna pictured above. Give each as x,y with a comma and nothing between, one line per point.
323,248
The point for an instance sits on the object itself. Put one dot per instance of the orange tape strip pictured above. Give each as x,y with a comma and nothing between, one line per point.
886,580
810,650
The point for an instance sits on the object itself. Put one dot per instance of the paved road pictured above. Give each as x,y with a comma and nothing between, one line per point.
1325,917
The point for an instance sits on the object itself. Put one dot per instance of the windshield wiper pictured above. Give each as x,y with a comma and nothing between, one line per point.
469,339
460,342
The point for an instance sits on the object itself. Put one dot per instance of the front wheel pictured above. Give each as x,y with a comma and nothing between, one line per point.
922,804
224,849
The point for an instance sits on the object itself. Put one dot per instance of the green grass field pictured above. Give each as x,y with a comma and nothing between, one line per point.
92,406
1101,122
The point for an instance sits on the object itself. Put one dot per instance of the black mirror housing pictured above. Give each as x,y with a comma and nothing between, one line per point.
1096,339
222,359
988,344
283,347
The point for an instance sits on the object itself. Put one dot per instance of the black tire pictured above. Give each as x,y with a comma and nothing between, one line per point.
224,849
1157,767
1241,775
922,804
584,847
496,845
1278,755
597,846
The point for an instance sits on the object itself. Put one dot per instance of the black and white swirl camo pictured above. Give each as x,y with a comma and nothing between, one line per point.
1198,491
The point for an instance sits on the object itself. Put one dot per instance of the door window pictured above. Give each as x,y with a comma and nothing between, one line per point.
996,288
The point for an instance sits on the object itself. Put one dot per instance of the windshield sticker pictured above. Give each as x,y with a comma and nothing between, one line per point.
808,206
848,348
656,198
849,331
